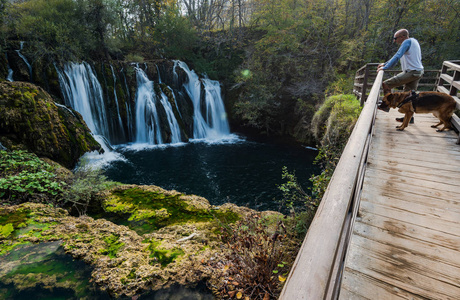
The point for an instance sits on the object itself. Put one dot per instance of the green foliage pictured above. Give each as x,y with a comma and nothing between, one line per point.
333,122
293,193
134,58
295,198
173,34
53,25
23,174
83,191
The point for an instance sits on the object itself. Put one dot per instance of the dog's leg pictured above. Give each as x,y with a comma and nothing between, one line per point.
406,120
444,118
434,126
447,125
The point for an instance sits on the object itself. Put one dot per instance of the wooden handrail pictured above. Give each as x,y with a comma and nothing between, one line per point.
366,74
317,269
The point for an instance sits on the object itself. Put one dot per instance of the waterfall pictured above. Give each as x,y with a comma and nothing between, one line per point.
147,120
175,101
82,92
148,128
159,77
173,125
128,107
25,60
214,124
175,76
10,71
153,118
120,123
216,116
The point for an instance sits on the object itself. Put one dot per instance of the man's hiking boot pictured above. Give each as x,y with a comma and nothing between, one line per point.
402,119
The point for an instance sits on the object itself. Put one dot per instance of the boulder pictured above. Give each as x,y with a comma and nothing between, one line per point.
31,120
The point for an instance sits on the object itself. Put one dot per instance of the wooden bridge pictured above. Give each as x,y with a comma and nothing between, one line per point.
388,226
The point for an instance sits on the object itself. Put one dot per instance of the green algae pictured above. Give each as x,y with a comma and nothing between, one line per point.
163,256
18,218
6,230
146,211
113,245
44,271
17,227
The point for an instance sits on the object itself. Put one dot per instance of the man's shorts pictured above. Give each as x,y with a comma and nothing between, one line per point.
409,79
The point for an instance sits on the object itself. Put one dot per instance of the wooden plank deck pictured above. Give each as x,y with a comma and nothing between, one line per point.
406,237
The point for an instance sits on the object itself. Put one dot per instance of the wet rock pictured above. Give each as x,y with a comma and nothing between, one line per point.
32,121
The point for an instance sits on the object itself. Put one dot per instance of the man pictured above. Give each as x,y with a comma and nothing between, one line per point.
410,55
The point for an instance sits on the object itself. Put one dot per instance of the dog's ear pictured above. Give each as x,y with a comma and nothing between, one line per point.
389,98
394,99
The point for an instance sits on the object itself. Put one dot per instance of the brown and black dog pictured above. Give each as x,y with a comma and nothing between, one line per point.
441,105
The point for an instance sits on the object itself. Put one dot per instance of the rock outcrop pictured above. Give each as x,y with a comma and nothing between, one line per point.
31,120
181,248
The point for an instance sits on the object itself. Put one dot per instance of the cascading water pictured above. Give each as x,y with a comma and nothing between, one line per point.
173,125
193,88
9,77
148,128
83,93
216,116
175,101
128,107
120,123
147,120
215,124
153,119
25,60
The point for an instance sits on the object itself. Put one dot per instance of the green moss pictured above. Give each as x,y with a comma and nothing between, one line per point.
113,245
163,256
6,230
146,211
130,276
18,218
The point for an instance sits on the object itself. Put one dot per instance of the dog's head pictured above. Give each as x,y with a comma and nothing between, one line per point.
391,100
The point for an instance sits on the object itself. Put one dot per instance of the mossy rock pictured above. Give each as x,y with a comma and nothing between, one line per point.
32,121
149,208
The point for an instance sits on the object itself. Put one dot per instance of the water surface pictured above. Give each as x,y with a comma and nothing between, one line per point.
238,170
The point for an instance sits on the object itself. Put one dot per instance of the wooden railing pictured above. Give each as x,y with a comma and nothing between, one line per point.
449,83
365,76
316,273
317,270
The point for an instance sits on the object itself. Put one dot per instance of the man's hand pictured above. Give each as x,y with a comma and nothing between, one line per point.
380,67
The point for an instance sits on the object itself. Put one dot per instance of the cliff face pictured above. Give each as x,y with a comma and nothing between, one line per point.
31,120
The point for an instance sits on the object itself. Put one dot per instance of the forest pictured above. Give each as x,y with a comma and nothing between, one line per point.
276,59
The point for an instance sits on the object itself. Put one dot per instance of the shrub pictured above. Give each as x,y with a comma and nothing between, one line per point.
295,198
84,190
257,263
136,58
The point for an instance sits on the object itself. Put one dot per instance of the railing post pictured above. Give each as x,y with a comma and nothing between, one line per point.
364,90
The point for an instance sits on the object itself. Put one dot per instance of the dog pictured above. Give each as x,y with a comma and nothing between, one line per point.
441,105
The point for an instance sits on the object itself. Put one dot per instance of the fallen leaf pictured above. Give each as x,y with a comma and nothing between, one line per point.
266,296
281,278
239,295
